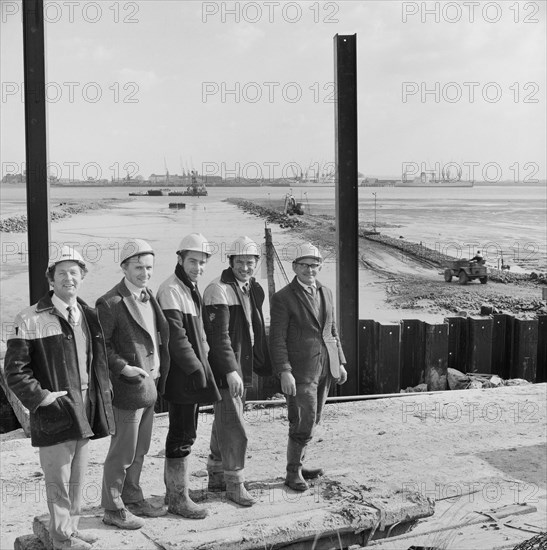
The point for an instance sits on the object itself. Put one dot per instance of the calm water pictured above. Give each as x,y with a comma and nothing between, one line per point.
501,221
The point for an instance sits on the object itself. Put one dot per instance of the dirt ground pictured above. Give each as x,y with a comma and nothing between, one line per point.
404,277
470,450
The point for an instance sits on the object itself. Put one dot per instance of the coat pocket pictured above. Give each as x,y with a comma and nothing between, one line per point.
55,418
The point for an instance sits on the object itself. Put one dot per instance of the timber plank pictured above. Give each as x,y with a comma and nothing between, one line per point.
333,508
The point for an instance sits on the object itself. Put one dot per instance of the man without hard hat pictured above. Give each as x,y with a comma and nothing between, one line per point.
56,365
190,381
306,355
238,348
137,335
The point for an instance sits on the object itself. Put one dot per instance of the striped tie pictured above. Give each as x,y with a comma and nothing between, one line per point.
71,319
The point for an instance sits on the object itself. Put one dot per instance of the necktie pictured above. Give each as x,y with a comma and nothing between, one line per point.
311,290
144,296
245,289
71,319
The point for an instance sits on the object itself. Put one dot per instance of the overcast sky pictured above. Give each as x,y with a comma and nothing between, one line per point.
208,85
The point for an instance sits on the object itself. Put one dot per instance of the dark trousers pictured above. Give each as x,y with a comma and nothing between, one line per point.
305,408
183,424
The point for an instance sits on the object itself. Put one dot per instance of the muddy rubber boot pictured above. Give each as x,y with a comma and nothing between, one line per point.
294,479
176,480
216,482
310,473
236,492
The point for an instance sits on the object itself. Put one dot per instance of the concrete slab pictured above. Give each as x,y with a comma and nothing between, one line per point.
332,509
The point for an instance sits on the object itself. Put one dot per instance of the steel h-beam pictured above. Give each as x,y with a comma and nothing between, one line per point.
36,146
347,223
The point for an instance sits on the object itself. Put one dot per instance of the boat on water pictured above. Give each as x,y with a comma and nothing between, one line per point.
158,192
430,178
151,193
195,189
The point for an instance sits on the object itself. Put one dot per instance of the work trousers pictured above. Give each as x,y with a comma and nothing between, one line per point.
123,463
64,466
228,438
305,408
183,424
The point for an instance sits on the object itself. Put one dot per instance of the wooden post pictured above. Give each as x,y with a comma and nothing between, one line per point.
412,353
541,374
368,345
479,345
270,262
36,146
436,356
347,212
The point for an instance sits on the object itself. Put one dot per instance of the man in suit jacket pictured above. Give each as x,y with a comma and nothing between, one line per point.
306,354
137,335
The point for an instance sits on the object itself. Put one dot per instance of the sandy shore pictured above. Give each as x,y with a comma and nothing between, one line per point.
470,451
396,274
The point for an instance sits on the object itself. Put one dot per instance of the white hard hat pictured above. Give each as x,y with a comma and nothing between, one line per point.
68,254
307,250
243,246
135,247
196,242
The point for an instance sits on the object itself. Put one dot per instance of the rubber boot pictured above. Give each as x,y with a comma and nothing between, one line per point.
295,454
216,482
310,473
236,492
176,480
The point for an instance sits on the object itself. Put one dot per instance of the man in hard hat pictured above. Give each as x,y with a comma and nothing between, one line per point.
137,335
56,365
238,348
190,380
306,355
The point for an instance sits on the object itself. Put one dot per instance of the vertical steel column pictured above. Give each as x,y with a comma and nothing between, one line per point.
347,223
36,146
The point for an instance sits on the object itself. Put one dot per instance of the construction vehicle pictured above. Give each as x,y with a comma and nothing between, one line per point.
292,207
465,271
